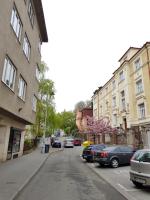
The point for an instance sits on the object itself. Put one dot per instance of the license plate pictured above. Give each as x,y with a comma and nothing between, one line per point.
139,180
85,156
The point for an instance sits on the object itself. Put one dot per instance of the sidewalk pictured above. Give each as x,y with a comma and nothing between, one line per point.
15,174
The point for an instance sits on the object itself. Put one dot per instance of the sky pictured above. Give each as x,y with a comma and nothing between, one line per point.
86,40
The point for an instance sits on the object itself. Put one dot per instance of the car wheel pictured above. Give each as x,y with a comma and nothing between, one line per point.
114,163
101,165
138,185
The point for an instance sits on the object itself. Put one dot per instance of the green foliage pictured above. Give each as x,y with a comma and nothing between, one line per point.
45,106
28,144
67,122
45,112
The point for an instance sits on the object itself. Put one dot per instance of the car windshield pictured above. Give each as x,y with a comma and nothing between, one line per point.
142,156
69,140
88,148
109,149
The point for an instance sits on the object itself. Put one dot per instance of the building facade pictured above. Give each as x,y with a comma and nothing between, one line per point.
22,32
81,122
125,98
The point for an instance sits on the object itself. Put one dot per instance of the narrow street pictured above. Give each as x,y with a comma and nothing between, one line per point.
66,176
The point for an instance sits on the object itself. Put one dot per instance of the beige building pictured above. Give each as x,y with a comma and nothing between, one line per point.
125,98
22,31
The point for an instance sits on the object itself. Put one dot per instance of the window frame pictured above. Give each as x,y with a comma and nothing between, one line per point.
141,110
113,84
121,76
34,103
37,73
137,64
15,16
123,100
24,89
114,102
139,87
26,43
31,13
11,76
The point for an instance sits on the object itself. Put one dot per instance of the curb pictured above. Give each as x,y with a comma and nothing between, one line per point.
123,193
16,194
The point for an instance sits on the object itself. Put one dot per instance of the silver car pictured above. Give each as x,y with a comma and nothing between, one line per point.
140,168
69,142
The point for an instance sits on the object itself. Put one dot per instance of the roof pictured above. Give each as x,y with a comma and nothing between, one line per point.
128,51
41,19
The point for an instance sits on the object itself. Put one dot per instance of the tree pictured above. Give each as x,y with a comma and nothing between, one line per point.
45,106
99,127
66,121
82,104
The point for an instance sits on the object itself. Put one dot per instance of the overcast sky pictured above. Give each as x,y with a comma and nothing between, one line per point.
86,40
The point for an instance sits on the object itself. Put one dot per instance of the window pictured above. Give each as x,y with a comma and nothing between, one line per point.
39,46
106,90
9,74
37,73
34,102
121,76
31,13
113,101
107,105
115,119
123,106
141,108
113,84
137,64
139,86
16,23
101,109
22,88
26,47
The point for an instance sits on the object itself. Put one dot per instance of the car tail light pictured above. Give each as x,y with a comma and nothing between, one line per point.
131,158
92,152
104,154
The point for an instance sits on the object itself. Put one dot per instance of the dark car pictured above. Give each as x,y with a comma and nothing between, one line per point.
114,156
77,142
56,143
89,151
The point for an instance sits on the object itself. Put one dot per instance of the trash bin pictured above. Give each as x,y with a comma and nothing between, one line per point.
46,148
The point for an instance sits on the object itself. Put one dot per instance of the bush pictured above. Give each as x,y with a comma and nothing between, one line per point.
28,144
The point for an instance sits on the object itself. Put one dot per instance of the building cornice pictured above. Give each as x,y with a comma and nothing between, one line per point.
41,19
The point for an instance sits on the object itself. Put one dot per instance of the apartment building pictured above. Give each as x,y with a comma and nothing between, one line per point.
125,98
81,122
22,31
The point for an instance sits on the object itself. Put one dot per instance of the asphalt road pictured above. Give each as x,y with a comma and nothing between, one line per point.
66,176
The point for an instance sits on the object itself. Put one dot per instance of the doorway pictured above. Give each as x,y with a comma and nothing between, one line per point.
14,143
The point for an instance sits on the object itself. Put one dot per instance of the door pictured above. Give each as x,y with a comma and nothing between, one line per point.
14,143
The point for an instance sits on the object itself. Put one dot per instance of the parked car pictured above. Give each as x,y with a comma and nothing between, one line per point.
89,151
140,168
77,142
69,142
56,143
114,156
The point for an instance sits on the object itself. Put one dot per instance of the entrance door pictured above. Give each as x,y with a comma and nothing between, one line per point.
14,143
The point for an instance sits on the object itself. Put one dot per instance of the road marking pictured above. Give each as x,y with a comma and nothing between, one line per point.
124,188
